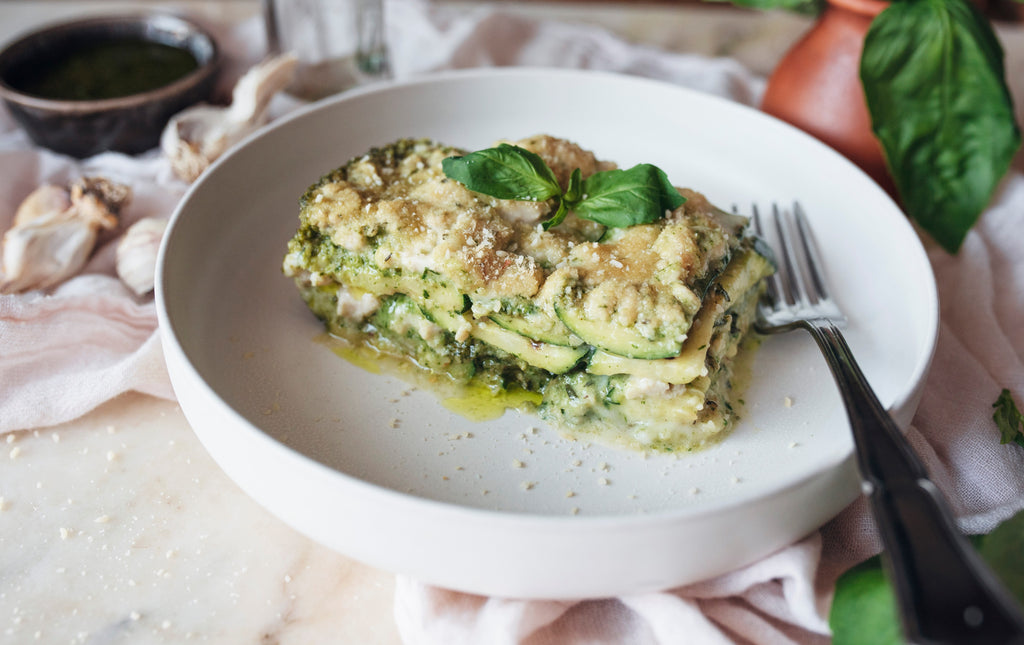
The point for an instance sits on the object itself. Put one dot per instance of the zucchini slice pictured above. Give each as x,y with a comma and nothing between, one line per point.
615,338
556,359
538,326
685,366
742,274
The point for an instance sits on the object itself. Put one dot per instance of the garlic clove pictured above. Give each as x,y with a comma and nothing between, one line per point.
47,198
136,254
255,89
55,231
100,200
48,250
195,137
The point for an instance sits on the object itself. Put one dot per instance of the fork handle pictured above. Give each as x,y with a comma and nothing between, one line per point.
945,591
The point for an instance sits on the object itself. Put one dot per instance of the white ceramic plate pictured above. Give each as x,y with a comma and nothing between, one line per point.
391,477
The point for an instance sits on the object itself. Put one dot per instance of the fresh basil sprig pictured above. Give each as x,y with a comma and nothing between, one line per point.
615,198
934,81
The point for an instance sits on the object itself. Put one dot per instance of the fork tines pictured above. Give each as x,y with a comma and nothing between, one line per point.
799,282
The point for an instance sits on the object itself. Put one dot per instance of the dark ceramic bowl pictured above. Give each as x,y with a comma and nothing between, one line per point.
131,123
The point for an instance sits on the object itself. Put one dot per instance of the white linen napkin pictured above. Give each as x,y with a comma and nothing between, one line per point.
68,350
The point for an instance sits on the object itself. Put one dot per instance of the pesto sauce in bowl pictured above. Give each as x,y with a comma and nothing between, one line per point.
108,69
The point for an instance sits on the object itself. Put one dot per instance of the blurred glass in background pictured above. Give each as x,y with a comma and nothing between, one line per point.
339,43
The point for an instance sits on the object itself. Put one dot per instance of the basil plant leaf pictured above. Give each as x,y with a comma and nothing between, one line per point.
864,607
620,198
1003,550
933,77
1008,419
505,172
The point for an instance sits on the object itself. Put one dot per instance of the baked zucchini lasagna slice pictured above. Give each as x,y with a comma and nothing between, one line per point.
629,334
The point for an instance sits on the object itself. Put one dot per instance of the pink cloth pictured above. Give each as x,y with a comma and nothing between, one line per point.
64,352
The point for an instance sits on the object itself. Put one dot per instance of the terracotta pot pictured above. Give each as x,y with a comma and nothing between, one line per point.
816,86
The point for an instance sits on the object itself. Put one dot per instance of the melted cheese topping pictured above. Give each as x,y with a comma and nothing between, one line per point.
411,217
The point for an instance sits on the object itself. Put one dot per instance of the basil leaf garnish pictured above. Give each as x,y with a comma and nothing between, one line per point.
505,172
620,198
573,193
933,76
615,198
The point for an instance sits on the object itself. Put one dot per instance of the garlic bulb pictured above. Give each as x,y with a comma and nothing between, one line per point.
55,231
196,136
136,254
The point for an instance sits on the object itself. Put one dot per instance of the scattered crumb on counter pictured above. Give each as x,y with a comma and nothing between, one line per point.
604,481
527,485
787,401
15,452
518,464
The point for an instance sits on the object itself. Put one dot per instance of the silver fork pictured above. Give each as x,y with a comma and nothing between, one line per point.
944,591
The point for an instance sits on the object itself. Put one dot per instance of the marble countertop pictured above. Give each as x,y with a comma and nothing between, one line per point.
119,528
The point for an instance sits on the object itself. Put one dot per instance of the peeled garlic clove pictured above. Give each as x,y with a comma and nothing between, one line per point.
252,93
55,230
46,251
136,254
195,137
48,198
